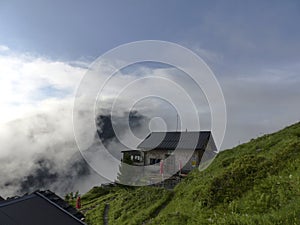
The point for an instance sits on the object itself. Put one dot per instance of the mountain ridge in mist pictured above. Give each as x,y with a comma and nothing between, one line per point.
42,161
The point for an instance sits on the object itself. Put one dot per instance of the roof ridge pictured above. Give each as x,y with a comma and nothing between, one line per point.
172,140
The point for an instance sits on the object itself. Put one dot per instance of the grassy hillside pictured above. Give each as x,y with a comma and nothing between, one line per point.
254,183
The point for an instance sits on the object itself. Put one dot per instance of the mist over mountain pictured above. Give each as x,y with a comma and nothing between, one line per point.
39,153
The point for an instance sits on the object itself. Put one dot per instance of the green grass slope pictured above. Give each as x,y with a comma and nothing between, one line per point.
126,205
254,183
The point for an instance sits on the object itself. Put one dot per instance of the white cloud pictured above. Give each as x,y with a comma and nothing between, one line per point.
35,122
26,81
4,48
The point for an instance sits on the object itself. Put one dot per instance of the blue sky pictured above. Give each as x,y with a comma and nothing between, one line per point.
253,48
243,32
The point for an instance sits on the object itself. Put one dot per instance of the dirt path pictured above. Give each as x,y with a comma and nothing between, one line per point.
105,214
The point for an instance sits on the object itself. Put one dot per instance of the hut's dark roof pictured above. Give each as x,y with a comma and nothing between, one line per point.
195,140
38,208
132,151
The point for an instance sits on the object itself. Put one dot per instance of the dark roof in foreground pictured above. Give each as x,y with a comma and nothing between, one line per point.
195,140
40,207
